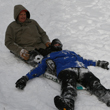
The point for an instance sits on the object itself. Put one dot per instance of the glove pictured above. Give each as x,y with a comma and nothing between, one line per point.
21,83
48,44
103,64
24,54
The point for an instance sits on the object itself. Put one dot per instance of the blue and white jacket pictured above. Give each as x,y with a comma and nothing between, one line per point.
63,59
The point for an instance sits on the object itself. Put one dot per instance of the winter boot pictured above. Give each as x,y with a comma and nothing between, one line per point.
105,97
101,92
93,85
63,104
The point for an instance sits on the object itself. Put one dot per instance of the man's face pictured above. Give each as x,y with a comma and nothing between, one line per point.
56,45
22,17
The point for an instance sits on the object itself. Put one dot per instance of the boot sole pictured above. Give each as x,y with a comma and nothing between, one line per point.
60,104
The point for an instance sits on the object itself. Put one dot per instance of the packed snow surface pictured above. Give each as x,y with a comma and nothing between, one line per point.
83,26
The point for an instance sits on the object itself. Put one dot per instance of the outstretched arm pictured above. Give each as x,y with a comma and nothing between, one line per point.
36,72
102,64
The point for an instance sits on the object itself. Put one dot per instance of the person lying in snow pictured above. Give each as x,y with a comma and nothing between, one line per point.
70,68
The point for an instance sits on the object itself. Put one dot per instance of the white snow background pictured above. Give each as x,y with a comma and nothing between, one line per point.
83,26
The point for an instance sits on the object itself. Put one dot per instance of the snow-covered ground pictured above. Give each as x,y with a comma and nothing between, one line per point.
82,25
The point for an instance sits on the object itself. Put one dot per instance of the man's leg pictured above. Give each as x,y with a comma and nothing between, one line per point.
34,59
68,90
93,85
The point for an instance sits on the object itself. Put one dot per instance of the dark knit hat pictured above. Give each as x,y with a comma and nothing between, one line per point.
56,48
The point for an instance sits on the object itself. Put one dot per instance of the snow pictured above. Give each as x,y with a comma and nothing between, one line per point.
83,26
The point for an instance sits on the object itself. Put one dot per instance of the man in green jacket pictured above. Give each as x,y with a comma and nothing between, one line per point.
24,35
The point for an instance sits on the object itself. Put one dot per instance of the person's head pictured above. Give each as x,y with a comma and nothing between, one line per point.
22,16
56,45
21,13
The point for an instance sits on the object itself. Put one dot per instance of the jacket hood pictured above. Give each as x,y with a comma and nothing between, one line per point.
18,9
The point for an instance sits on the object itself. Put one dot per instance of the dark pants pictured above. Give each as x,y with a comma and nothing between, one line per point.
70,77
31,61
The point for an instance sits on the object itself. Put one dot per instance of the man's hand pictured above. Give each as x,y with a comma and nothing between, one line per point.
21,83
103,64
48,44
24,54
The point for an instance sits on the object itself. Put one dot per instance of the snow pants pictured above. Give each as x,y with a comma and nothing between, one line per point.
69,78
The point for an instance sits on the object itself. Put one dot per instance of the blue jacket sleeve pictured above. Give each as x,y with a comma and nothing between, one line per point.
88,62
84,61
36,72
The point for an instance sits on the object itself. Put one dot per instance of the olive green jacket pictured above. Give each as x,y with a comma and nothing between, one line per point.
28,35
